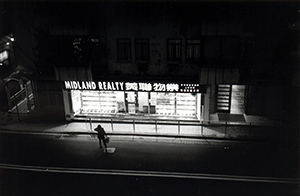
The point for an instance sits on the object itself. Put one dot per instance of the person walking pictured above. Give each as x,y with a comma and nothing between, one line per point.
101,136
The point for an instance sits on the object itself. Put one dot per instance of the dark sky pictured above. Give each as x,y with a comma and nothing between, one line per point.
60,11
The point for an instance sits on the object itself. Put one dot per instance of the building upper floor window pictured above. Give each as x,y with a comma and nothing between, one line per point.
174,49
124,49
221,49
142,49
193,49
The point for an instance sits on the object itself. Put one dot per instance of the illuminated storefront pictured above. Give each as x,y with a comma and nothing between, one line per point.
89,98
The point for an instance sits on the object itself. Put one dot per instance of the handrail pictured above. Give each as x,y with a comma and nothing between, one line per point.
175,121
17,94
201,128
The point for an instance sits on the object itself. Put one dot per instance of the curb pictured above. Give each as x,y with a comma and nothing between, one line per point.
244,139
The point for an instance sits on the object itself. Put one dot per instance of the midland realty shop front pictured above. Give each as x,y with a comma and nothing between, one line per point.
139,99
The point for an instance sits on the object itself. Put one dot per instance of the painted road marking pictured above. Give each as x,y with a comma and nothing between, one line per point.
199,176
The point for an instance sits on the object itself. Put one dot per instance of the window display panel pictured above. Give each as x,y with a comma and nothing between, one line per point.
95,102
108,102
90,101
120,98
165,103
186,104
128,102
76,101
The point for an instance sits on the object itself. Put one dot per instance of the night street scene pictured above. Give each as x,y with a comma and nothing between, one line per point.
148,97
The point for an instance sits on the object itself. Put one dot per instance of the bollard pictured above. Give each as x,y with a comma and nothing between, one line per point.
178,127
156,126
202,128
91,124
225,128
133,126
18,113
249,129
112,125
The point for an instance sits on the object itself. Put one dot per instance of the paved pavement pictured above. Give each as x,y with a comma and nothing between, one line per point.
254,127
74,145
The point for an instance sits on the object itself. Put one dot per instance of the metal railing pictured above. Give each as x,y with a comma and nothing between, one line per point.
211,129
21,104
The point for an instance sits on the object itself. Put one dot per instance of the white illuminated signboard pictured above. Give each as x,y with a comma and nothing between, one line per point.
3,56
131,86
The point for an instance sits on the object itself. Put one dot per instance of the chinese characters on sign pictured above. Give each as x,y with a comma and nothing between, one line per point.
194,88
145,86
131,86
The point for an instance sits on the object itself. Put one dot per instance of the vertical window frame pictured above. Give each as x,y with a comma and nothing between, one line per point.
124,49
174,49
191,53
142,49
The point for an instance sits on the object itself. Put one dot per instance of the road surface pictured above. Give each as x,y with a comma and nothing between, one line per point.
69,164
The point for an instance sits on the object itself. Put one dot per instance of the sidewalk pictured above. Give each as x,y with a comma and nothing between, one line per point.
261,128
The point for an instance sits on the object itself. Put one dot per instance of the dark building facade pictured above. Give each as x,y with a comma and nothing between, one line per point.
187,59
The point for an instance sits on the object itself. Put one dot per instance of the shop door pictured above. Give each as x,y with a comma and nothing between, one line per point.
238,99
131,102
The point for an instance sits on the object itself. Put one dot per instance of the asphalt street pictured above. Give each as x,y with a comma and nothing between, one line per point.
71,164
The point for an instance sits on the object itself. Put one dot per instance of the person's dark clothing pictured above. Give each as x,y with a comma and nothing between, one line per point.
101,135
